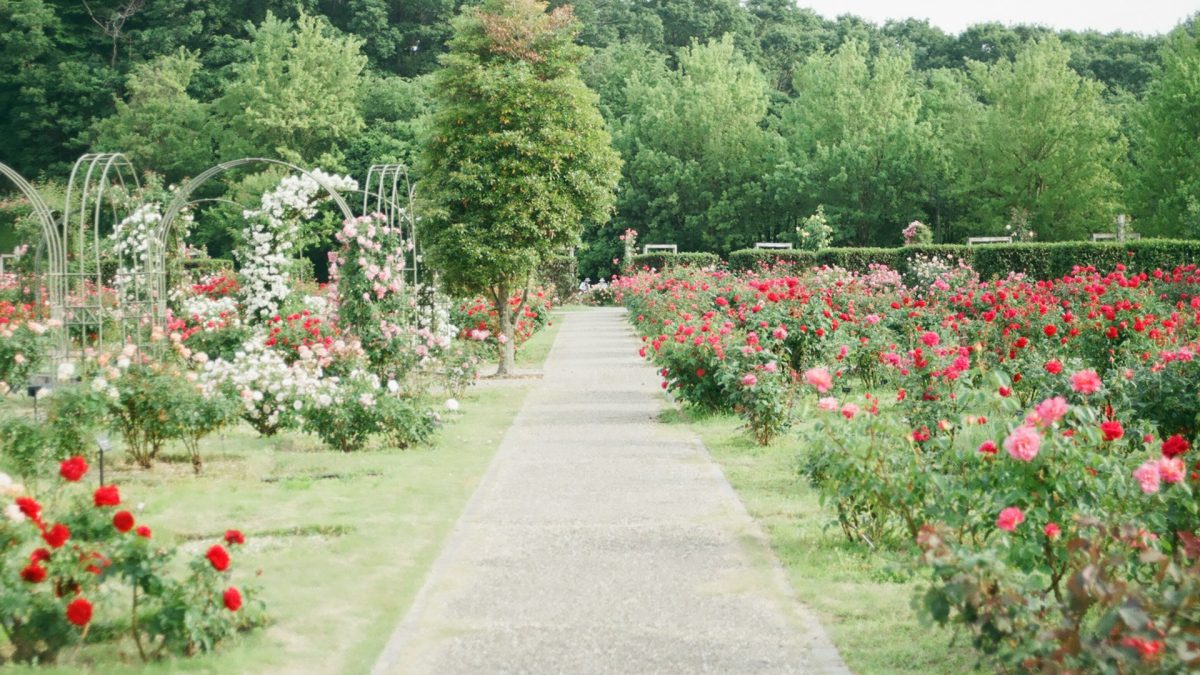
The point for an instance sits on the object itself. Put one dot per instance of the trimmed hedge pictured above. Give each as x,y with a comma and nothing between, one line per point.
662,261
1039,260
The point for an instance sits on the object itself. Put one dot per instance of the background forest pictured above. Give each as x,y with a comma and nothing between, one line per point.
735,121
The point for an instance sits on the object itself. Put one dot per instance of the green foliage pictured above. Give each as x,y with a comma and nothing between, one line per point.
295,96
662,261
518,160
1166,190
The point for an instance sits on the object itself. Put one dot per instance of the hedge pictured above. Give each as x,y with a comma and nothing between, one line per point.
662,261
1039,260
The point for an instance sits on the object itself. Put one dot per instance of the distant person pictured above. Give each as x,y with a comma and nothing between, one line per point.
585,285
601,285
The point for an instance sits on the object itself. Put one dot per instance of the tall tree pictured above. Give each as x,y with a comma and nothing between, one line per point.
1039,141
295,95
1166,194
857,143
518,159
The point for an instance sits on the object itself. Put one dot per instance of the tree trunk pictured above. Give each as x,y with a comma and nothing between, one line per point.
508,348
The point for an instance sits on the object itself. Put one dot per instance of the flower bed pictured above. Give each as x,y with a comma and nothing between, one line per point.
1027,440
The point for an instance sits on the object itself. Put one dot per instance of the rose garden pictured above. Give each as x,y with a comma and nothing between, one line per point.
349,408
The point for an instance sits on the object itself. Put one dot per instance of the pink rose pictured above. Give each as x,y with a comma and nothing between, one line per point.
819,378
1171,469
1023,443
1148,477
828,404
850,410
1010,518
749,380
1048,412
1085,382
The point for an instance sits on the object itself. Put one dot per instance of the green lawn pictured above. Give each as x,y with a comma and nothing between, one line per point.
343,541
863,600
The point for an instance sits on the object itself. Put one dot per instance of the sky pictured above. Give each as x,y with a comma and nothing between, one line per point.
952,16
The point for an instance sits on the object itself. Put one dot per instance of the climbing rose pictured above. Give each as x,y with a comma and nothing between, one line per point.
1052,531
123,521
57,535
1010,518
219,557
79,612
1085,382
233,599
73,469
1172,447
1023,443
988,447
234,537
1171,469
107,495
1147,477
819,378
1112,430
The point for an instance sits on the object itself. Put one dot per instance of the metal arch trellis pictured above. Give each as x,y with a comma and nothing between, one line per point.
50,245
182,200
79,280
389,191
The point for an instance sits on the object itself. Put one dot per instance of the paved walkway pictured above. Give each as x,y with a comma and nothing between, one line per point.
601,541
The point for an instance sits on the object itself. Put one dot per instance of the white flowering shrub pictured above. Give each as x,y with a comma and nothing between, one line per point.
814,233
269,242
132,242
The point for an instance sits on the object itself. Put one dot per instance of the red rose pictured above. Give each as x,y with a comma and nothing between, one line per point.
107,495
30,508
143,531
988,448
1053,367
79,612
39,555
1050,329
72,469
57,535
233,599
1005,392
1175,446
1112,430
123,521
34,573
219,557
234,537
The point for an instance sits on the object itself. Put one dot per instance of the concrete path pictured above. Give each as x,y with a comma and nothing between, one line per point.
601,541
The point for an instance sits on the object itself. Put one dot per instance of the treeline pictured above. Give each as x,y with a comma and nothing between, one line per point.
735,120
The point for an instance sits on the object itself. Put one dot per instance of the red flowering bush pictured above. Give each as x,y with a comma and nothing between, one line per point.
92,563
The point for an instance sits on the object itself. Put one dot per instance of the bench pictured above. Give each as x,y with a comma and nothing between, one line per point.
972,241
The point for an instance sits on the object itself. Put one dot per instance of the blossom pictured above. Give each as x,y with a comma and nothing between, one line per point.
1112,430
56,536
123,521
1052,531
749,380
107,495
1054,366
931,338
14,513
143,531
34,573
1048,412
218,557
79,612
1148,477
1148,650
30,508
232,598
988,448
1175,446
72,469
1085,382
452,404
850,410
828,404
1023,443
819,378
234,537
780,333
1010,518
1171,469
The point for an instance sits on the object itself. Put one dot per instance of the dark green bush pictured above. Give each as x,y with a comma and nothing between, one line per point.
662,261
1040,260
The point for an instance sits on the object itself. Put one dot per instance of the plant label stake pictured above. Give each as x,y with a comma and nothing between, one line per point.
105,445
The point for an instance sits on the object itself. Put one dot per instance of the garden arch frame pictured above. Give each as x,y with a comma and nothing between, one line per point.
388,190
49,245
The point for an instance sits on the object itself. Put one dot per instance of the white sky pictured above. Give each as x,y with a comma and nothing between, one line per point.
952,16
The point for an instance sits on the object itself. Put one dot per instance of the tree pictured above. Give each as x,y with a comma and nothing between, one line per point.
295,95
857,143
1040,140
518,159
161,127
1166,192
696,151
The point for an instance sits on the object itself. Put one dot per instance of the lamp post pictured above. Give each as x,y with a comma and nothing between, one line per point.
104,444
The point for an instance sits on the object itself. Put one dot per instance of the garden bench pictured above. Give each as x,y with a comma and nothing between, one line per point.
670,248
972,241
774,245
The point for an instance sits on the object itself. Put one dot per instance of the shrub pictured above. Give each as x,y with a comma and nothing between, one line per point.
663,261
